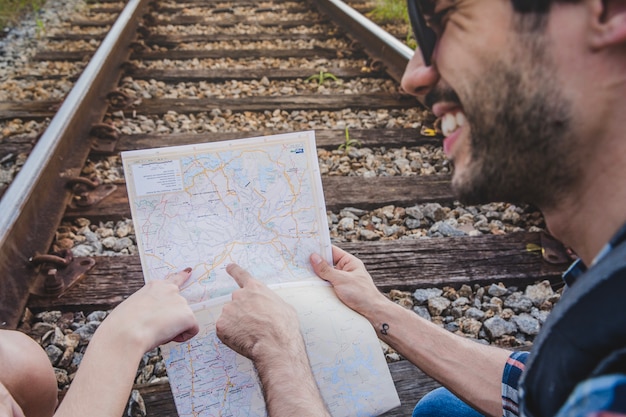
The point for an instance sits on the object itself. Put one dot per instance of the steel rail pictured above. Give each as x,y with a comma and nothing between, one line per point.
33,205
379,44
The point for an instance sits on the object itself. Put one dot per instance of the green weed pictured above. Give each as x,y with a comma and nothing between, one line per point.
348,143
321,77
12,10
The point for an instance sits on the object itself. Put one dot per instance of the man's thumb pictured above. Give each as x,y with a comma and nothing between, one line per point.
322,268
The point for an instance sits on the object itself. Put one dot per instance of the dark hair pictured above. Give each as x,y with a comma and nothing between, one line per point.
536,6
531,6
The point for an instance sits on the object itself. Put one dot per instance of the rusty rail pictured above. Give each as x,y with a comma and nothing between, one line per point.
378,43
33,205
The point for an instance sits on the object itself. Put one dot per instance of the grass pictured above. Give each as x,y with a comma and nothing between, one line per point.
393,11
12,10
390,11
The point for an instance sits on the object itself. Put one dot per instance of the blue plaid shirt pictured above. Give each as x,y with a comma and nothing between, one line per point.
591,398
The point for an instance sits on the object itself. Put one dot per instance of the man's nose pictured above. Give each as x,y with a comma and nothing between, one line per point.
418,79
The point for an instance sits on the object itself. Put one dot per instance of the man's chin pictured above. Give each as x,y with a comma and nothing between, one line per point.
470,190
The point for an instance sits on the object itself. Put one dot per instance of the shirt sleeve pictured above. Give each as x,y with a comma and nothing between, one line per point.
597,397
510,381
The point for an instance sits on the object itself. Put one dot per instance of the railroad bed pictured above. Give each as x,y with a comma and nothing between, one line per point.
205,71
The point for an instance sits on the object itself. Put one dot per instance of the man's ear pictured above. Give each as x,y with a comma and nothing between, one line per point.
608,24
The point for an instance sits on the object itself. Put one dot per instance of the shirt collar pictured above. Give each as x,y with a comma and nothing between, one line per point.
578,267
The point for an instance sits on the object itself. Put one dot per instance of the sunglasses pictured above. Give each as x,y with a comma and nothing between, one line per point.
425,36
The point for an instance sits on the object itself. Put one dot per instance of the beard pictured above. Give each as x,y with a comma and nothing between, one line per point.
521,146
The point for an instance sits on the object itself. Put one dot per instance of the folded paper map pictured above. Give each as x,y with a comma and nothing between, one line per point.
259,203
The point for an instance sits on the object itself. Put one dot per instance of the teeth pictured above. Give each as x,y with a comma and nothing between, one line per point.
451,122
460,119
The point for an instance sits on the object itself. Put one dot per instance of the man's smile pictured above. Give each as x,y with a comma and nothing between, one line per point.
452,119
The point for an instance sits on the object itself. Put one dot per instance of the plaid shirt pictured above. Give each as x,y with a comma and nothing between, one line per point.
591,397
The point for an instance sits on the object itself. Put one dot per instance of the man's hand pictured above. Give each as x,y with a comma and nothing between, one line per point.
351,281
257,321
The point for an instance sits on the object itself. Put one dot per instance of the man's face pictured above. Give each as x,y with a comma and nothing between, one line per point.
505,120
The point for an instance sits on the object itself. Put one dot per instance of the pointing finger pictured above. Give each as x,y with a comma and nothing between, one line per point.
180,277
241,276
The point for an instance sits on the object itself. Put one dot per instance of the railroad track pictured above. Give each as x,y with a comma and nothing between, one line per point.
115,106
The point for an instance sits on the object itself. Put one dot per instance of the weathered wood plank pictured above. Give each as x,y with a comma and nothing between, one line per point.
175,39
47,108
284,103
226,20
13,145
172,40
326,139
400,264
106,9
28,110
316,52
339,192
411,384
172,9
454,261
221,17
190,20
213,9
74,56
213,75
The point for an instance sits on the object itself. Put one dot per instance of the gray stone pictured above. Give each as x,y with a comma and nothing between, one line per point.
86,331
437,305
369,235
109,242
539,293
62,378
496,290
355,211
433,211
496,327
422,312
49,316
474,313
422,295
414,213
54,354
392,230
540,315
444,229
457,312
82,250
461,301
97,316
471,326
465,291
452,327
160,369
346,223
518,302
123,243
136,405
413,224
527,324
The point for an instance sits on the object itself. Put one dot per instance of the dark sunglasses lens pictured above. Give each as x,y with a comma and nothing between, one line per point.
424,35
